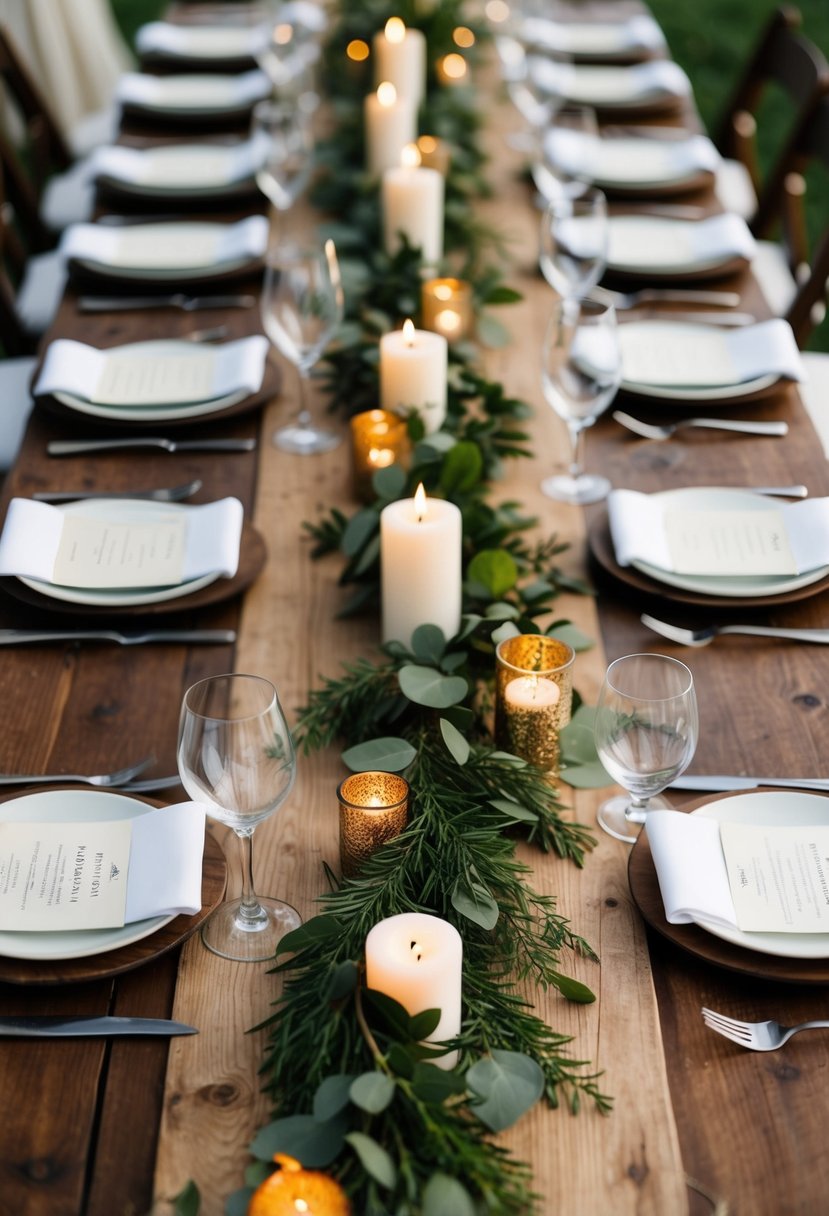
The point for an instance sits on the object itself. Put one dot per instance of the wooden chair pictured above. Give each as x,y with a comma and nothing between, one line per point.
807,259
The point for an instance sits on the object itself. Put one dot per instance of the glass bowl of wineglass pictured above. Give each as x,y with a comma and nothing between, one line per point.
573,245
236,757
646,728
302,308
580,375
284,145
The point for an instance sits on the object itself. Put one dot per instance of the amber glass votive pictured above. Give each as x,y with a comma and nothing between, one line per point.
374,808
378,439
446,305
434,153
533,697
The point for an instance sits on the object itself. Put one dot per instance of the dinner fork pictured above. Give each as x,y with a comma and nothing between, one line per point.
120,777
163,494
666,295
757,1036
649,430
706,635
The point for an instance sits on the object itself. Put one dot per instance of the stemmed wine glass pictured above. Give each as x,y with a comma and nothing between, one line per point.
573,247
235,755
302,307
283,139
646,729
566,161
581,372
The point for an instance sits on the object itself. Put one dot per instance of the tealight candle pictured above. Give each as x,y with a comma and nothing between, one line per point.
420,566
417,960
434,153
378,439
374,807
446,307
413,374
400,56
412,202
390,124
533,697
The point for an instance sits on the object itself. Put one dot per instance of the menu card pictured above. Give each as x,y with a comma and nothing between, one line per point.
163,545
172,246
757,878
679,355
100,874
637,242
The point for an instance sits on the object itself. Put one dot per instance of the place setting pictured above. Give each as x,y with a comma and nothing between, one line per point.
178,174
655,86
193,99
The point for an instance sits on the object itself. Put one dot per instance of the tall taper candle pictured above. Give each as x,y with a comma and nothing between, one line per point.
420,566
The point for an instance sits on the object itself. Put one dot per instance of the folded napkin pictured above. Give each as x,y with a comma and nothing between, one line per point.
141,544
181,373
652,83
671,354
165,870
191,91
693,879
630,160
644,242
171,246
639,32
179,166
757,536
202,41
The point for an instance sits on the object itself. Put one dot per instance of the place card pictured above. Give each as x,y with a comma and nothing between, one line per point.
168,246
95,553
100,874
725,543
678,355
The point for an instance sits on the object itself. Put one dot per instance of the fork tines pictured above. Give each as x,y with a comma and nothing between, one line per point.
732,1029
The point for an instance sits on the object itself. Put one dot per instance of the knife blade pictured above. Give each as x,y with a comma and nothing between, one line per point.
72,447
79,1026
207,637
715,783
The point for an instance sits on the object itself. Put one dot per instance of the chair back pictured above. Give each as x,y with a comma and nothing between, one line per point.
809,260
44,143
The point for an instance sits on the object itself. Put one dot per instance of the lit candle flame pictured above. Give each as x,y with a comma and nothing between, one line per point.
386,93
395,29
410,156
420,502
409,332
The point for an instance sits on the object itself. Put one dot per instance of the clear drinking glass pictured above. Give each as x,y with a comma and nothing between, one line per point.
573,245
646,729
566,162
581,371
235,755
287,151
302,307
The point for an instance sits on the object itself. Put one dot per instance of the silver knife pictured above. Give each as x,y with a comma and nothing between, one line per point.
72,447
720,783
16,637
78,1026
188,303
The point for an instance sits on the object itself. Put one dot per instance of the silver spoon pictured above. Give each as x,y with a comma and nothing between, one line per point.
653,431
163,494
704,636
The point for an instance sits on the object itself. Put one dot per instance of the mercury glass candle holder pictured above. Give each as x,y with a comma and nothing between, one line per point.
533,697
378,439
374,808
446,305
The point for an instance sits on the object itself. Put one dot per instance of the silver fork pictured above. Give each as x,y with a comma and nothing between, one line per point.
649,430
120,777
757,1036
666,295
703,637
163,494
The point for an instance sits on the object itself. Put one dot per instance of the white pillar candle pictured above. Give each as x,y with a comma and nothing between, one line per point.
390,124
413,374
412,201
400,56
417,960
420,566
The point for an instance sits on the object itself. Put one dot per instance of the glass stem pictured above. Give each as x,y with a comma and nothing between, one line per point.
249,908
577,444
636,810
304,417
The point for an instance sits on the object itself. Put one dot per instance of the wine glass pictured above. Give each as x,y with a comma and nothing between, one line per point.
581,371
302,307
235,755
282,137
646,729
566,162
573,247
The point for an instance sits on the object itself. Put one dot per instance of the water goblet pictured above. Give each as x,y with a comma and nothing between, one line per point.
302,307
236,757
282,136
646,729
581,371
573,247
566,161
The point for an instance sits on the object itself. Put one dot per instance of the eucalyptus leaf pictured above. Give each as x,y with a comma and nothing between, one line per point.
506,630
395,1017
502,295
373,1158
388,755
495,569
454,740
372,1092
572,636
472,899
508,1084
445,1196
317,930
435,1085
462,468
358,530
188,1201
401,1061
577,743
332,1095
343,980
573,990
585,776
501,611
431,688
389,482
369,555
425,1023
514,810
312,1141
428,644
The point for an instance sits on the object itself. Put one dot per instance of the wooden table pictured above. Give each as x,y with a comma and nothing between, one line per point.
116,1129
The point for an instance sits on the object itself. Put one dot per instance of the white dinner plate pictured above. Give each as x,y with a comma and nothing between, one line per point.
722,498
190,170
777,808
665,330
171,274
647,245
117,510
74,806
722,394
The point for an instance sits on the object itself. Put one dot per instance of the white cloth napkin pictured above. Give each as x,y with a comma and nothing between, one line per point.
639,242
123,376
693,879
642,527
659,80
169,246
639,32
630,160
191,91
674,354
202,41
179,166
165,870
30,542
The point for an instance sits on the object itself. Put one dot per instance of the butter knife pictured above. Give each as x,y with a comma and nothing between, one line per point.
79,1026
720,783
71,447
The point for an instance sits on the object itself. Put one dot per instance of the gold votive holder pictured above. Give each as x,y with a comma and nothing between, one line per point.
378,439
446,307
374,808
434,153
533,697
